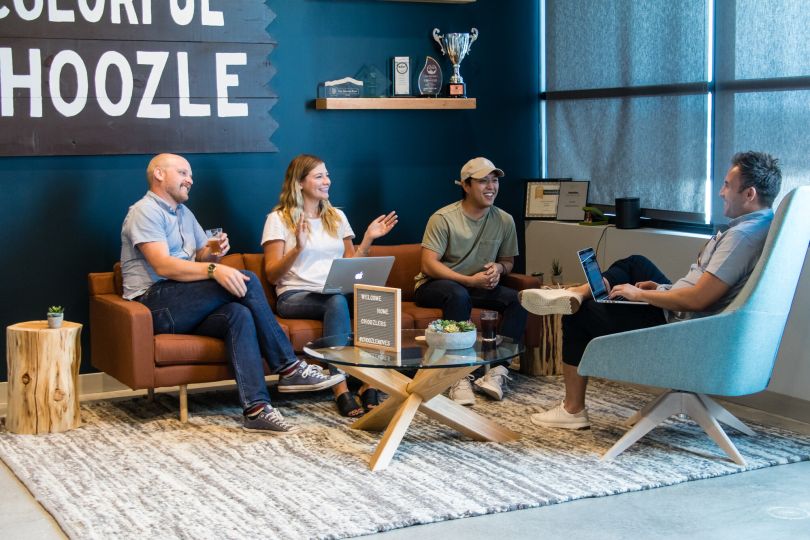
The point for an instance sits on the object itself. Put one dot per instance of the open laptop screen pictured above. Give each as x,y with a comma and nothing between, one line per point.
592,272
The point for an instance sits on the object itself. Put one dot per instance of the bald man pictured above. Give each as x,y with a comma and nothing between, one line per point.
168,267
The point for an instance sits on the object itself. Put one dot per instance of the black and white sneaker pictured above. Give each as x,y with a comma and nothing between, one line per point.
308,378
269,420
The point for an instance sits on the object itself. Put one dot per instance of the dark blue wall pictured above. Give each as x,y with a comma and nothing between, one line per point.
61,216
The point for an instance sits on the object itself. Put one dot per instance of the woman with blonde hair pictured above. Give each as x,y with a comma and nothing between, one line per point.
302,235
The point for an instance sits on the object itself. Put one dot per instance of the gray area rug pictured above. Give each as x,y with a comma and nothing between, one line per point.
134,471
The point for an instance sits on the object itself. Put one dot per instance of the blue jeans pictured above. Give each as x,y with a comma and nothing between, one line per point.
247,325
333,309
594,319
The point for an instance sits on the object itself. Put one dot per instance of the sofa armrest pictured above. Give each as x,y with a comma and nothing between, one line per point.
520,282
122,341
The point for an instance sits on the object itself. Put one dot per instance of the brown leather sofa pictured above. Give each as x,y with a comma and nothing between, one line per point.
123,345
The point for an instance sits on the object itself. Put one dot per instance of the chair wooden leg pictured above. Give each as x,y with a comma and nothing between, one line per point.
183,403
150,395
722,415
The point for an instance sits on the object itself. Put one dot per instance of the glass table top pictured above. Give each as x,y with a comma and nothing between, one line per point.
415,353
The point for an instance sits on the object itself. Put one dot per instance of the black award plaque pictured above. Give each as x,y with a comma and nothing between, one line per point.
430,78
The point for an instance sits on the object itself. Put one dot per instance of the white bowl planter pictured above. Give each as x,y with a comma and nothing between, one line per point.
453,340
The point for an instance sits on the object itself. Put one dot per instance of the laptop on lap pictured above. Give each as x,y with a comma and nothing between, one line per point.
587,258
345,273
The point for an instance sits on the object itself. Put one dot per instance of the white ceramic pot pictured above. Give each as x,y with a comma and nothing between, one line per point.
454,340
556,279
55,320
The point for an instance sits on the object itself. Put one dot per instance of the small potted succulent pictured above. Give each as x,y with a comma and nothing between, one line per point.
444,334
56,315
556,272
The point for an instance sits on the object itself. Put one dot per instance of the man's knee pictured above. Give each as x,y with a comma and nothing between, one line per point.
639,260
254,285
458,296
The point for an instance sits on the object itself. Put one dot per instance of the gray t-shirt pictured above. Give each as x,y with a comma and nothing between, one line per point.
467,244
729,256
152,219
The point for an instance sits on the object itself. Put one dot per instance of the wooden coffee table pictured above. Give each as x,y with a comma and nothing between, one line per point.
436,371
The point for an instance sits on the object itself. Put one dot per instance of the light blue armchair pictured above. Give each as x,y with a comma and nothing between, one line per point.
728,354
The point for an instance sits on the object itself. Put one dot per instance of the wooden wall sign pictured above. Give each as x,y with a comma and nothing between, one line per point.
138,76
377,312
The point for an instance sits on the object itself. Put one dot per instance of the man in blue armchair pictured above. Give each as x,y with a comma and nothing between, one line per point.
720,272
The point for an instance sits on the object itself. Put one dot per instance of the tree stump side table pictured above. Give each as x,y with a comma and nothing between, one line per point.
546,358
43,376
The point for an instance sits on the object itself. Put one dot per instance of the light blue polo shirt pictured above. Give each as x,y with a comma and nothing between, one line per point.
152,219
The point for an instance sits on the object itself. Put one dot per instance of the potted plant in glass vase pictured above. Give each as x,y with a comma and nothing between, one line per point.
56,314
556,272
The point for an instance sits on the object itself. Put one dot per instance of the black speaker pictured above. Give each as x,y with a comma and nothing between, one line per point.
628,213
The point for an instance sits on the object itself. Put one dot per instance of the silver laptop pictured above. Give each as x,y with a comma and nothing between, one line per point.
345,273
587,258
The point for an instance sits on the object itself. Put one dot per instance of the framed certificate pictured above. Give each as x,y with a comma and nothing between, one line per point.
541,197
573,196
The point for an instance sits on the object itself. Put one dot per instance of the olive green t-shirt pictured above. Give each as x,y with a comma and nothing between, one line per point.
466,244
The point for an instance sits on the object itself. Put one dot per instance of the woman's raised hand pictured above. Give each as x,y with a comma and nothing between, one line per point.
302,232
381,226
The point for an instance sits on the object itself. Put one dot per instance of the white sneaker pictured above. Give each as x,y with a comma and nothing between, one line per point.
550,301
493,382
558,417
461,392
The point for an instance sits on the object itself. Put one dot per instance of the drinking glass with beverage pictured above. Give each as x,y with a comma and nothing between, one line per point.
214,238
489,322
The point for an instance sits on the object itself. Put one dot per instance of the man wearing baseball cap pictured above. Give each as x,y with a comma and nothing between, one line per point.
467,247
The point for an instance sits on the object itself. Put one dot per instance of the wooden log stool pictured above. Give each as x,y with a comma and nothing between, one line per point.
43,376
545,358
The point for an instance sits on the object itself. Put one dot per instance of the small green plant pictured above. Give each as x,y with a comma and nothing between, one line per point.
451,327
556,267
56,310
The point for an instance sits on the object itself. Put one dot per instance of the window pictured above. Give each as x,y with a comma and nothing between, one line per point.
636,99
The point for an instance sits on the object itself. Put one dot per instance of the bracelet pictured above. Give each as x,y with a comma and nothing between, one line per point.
211,268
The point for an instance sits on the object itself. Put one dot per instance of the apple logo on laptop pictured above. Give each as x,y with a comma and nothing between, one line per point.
358,275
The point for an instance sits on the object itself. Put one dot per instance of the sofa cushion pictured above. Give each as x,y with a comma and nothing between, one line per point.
177,349
406,266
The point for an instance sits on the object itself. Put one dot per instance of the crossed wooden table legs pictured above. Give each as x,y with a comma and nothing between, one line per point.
422,393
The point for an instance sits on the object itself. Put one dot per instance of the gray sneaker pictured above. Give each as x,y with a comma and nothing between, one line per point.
308,378
269,420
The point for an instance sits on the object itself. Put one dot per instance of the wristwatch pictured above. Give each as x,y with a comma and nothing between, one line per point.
211,268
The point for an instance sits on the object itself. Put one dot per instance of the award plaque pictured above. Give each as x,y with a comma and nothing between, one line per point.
401,75
375,82
430,78
573,196
341,88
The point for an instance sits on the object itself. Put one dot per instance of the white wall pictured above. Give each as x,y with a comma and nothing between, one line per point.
673,253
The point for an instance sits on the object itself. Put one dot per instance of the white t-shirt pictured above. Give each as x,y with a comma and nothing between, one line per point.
309,271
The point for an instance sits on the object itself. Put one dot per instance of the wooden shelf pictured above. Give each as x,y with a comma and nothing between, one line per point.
394,103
